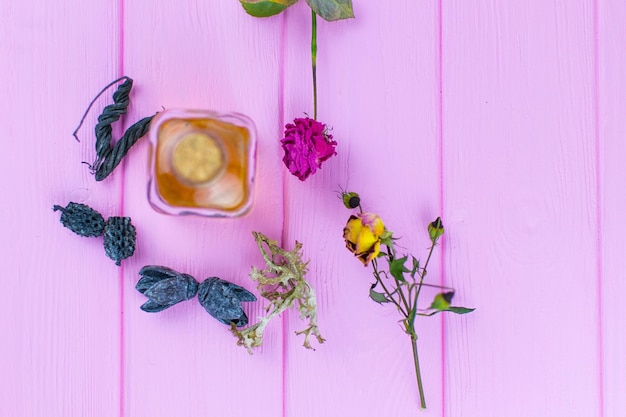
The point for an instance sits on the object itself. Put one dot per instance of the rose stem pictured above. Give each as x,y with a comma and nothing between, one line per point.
411,323
314,60
418,374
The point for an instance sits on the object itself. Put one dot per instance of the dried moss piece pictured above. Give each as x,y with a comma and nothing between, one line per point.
284,285
119,238
164,287
81,219
222,300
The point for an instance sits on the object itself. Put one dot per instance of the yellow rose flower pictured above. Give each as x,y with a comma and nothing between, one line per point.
363,236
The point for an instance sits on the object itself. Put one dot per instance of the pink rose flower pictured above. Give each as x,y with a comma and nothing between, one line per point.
306,144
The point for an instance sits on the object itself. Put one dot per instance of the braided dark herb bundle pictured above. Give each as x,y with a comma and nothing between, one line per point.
120,235
165,287
109,156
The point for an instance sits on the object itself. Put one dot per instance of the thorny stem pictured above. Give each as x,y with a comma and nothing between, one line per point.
423,274
409,315
409,312
443,287
418,374
411,326
382,284
314,60
391,255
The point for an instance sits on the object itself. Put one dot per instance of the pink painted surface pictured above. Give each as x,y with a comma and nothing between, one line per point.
505,118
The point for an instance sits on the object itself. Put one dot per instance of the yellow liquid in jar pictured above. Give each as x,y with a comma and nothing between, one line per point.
202,163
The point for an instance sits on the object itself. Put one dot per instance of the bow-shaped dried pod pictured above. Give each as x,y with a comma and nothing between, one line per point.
222,300
164,287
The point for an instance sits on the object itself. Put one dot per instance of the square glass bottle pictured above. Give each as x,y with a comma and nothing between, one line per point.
202,162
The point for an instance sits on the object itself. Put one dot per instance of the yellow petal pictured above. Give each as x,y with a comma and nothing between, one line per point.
374,252
352,230
366,257
365,240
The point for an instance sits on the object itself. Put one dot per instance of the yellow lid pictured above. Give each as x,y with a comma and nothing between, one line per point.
197,158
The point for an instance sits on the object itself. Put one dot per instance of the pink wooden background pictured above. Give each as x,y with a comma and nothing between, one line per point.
507,118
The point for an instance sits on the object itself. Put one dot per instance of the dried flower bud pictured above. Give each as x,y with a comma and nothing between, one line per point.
442,301
81,219
119,238
351,200
448,296
435,229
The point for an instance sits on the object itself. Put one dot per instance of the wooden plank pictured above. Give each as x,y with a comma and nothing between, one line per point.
520,186
201,55
612,131
60,312
378,89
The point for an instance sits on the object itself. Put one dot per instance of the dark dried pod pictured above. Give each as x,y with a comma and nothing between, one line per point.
81,219
119,238
222,300
164,287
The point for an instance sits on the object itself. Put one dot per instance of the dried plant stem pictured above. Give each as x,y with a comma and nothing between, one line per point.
314,60
380,282
409,317
423,274
408,308
418,374
411,326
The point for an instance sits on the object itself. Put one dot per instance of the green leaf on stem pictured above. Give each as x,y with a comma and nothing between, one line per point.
397,269
416,267
460,310
378,296
266,8
332,9
442,303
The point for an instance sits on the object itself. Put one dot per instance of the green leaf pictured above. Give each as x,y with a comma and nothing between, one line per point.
416,266
460,310
332,9
266,8
378,296
397,268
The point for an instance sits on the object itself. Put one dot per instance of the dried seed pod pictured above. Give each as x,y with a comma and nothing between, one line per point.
119,238
81,219
164,287
222,300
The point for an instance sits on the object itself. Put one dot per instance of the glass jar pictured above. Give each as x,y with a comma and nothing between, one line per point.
202,162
